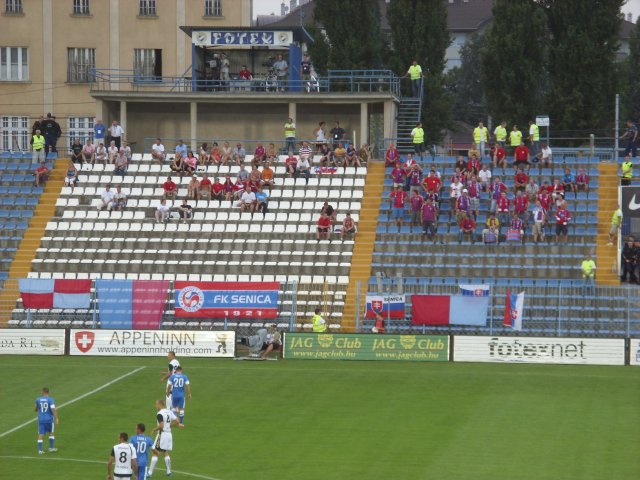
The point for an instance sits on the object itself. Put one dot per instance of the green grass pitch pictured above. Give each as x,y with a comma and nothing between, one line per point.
310,420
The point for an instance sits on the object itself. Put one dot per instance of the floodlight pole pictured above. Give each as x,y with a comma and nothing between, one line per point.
617,130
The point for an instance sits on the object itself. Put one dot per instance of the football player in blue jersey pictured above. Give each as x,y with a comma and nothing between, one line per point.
176,386
143,445
47,417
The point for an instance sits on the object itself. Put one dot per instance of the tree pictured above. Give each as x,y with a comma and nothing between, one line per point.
584,39
512,64
631,96
464,82
419,31
319,49
353,32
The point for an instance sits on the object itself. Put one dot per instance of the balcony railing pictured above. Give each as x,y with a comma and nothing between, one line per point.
336,81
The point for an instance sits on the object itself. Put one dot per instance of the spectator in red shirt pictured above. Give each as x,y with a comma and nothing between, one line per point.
291,163
399,199
502,206
467,227
217,190
473,165
391,157
582,181
205,188
521,205
429,216
259,155
557,189
170,189
546,187
324,227
397,175
244,73
562,221
496,189
521,180
41,174
432,183
415,177
228,188
545,199
522,157
416,207
348,226
499,157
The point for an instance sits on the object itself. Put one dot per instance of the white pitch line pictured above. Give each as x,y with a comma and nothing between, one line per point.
84,395
77,460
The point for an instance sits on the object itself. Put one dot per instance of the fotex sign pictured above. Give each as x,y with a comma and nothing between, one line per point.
344,346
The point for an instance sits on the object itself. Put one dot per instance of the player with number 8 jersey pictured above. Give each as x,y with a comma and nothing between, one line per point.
122,459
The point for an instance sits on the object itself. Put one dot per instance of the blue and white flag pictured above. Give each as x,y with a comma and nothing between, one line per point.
479,290
513,309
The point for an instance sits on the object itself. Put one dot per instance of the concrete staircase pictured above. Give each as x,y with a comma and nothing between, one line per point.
606,256
21,264
364,245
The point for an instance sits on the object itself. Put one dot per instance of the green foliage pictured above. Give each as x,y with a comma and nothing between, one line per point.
419,31
512,63
353,32
631,97
318,49
464,82
584,39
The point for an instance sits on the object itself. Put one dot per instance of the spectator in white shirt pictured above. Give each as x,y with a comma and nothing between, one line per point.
101,154
545,156
303,167
116,132
248,201
239,153
305,151
106,197
484,176
162,212
127,151
157,151
112,151
119,200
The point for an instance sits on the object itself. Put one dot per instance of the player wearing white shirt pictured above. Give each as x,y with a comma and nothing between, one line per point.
164,439
122,459
173,364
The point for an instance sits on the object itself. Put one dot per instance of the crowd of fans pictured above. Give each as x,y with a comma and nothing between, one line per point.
525,207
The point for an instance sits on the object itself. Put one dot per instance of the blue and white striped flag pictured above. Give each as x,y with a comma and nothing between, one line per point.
479,290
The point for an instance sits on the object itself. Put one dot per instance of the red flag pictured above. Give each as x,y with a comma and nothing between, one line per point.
430,309
507,320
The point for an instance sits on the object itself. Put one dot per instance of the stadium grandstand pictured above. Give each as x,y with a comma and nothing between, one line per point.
72,231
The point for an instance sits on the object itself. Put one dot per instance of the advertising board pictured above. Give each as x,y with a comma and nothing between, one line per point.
152,343
343,346
587,351
31,341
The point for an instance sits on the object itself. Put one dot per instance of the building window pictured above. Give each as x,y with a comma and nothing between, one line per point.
80,63
14,64
81,7
15,134
80,128
147,64
13,6
212,8
148,8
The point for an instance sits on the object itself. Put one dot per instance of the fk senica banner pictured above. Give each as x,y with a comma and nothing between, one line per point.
226,299
389,306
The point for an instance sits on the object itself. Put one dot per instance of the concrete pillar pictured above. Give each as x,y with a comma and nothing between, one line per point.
364,124
47,56
180,38
193,110
390,112
100,111
114,39
292,111
123,117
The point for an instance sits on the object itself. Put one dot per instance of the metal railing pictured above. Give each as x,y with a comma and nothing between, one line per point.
248,144
565,310
336,81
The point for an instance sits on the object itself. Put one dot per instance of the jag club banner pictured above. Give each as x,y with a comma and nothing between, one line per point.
226,299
